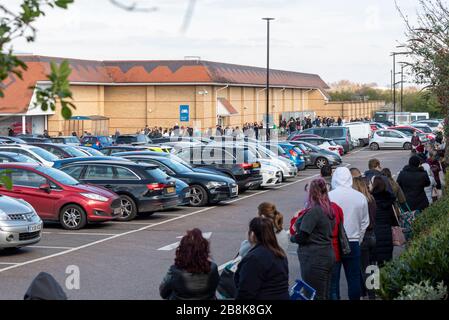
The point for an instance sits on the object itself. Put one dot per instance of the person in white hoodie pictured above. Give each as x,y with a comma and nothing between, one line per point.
433,182
356,221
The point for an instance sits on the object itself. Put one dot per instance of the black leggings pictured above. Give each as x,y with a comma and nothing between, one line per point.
316,268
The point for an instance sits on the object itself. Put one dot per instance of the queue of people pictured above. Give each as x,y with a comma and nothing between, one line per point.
347,222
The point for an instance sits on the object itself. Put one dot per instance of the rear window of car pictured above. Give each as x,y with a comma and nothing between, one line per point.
91,140
74,152
335,133
105,140
127,139
157,174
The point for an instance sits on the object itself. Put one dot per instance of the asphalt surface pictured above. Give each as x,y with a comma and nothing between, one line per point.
128,260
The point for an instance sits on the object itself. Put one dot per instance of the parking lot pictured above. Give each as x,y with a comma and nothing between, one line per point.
127,260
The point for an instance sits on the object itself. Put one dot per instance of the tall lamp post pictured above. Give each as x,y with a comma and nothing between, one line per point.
394,54
268,20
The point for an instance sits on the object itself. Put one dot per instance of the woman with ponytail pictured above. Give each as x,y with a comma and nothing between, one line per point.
193,276
269,211
315,239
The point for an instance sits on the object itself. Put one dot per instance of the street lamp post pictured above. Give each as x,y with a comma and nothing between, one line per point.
394,54
268,78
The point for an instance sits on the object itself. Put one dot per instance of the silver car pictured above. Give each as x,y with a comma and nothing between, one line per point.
390,139
19,223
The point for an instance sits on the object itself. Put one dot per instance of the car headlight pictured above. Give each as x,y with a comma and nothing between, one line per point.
94,196
4,216
215,184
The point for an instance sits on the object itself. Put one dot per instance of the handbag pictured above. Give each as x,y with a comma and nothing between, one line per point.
397,232
226,288
343,240
406,218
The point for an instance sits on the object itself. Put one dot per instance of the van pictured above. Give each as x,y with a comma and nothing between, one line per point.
360,133
341,135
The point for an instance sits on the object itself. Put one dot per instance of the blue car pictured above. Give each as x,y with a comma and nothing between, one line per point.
60,163
96,142
295,154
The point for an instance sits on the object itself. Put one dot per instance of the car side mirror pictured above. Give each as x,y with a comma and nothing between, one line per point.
45,187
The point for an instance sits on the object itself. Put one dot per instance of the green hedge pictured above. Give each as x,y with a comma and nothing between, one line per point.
426,258
430,216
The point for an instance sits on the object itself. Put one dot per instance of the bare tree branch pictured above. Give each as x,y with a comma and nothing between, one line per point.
132,6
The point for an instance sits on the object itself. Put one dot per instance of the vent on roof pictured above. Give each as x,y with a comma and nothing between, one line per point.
193,58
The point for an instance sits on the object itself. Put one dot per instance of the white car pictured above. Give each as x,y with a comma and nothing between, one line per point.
40,155
390,139
435,125
271,175
360,132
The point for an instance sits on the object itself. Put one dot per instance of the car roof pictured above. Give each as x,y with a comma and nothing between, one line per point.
19,146
115,162
143,153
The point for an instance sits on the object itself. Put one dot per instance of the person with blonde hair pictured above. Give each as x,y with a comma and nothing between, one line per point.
368,246
269,211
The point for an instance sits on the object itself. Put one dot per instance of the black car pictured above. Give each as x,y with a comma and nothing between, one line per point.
239,163
62,151
133,139
204,188
6,157
318,157
109,151
66,140
142,188
32,138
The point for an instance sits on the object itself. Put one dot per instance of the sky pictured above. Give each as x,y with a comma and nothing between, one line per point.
337,39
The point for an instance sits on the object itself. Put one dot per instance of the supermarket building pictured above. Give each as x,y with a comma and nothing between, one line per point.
127,95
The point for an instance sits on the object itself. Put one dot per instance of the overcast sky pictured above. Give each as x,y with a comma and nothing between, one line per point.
337,39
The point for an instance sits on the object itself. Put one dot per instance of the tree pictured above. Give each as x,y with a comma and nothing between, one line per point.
428,48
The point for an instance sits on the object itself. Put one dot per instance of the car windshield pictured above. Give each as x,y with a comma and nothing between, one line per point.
157,174
180,160
74,152
58,176
44,154
93,152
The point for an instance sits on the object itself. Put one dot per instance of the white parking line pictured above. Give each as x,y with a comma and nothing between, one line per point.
50,247
119,235
81,233
125,223
8,263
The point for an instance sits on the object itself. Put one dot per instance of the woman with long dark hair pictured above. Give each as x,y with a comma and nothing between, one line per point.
263,272
315,239
385,219
193,276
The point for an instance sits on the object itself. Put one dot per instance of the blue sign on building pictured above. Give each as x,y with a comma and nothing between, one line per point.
184,113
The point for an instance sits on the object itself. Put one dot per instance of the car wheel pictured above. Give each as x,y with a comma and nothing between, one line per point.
321,162
198,196
374,146
129,208
73,217
407,146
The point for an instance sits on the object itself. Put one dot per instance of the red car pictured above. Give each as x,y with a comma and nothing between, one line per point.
56,196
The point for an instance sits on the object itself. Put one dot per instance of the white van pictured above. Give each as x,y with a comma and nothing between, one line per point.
360,133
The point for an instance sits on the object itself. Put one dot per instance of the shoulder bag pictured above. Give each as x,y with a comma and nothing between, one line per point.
397,232
343,240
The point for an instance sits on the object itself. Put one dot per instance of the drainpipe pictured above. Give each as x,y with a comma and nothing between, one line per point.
257,103
216,101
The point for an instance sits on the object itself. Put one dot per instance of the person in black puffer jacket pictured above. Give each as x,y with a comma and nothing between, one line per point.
385,219
193,276
413,179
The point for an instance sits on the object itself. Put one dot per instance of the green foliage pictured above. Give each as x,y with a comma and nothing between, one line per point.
16,25
423,101
363,93
5,179
59,91
424,291
426,258
438,211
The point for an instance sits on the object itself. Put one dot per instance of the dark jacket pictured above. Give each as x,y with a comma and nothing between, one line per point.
262,276
413,180
375,173
384,221
45,287
181,285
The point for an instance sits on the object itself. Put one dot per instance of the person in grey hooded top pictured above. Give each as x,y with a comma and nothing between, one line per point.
356,220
